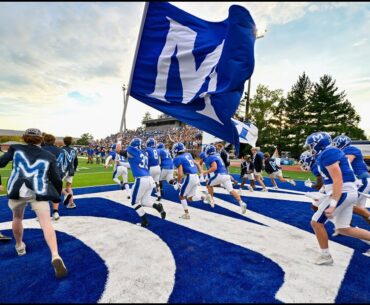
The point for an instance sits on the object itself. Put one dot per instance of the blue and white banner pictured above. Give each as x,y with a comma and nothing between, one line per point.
248,133
195,70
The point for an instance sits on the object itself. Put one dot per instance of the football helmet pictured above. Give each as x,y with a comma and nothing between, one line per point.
136,142
317,142
342,141
210,150
178,148
305,160
151,142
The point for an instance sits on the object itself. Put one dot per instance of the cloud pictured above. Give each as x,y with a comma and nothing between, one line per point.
57,58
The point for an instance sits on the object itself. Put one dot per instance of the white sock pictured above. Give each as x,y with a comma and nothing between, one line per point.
325,252
184,204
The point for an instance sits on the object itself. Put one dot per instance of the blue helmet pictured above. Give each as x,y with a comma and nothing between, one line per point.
160,146
136,142
151,142
178,148
114,147
305,160
202,155
318,141
342,141
210,150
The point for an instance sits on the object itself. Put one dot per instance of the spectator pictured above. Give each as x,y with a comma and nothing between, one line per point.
35,185
257,159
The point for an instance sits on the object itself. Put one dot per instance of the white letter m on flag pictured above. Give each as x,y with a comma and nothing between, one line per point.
192,79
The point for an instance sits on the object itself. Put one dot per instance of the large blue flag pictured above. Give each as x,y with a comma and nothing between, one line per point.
195,70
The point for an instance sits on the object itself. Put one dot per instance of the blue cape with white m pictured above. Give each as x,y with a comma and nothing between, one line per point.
195,70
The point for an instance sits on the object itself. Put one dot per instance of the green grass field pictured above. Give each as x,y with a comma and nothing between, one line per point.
96,174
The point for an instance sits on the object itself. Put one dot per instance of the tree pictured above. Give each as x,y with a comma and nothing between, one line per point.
330,110
240,112
85,139
297,116
265,105
147,116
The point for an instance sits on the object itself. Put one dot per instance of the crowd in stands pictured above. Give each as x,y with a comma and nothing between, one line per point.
190,136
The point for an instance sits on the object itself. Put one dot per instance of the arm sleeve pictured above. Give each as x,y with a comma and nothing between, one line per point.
75,162
7,157
54,176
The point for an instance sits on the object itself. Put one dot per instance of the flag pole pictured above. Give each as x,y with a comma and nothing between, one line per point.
123,121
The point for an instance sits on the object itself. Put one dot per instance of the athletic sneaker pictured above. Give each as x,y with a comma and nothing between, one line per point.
71,205
56,215
292,182
59,267
250,188
185,216
324,260
367,253
21,250
159,198
4,238
144,222
66,200
243,206
264,190
160,209
275,188
210,200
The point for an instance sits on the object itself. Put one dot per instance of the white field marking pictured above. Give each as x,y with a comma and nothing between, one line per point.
293,249
141,266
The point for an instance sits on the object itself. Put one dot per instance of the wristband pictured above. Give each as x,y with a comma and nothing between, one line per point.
333,203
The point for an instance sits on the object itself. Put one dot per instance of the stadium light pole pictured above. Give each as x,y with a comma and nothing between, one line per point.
123,116
249,82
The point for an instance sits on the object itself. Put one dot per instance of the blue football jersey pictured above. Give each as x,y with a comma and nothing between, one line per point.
138,162
187,162
358,163
166,159
153,156
221,169
328,157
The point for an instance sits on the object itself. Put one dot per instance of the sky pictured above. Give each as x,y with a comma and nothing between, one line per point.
62,64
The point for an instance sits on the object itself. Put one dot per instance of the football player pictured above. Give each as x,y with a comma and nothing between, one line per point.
216,165
153,161
340,187
186,166
144,183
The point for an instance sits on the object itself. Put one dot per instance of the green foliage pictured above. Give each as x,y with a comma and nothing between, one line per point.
85,139
4,139
267,107
285,122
